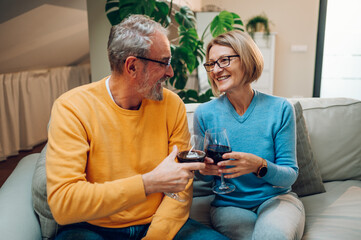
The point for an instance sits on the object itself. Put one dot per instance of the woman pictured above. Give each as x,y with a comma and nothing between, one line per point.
261,130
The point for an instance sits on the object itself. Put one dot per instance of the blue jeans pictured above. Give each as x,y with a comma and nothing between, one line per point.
191,230
279,218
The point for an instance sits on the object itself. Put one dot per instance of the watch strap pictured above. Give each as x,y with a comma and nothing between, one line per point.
262,170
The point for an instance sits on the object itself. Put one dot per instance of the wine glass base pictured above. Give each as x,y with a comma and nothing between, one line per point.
226,188
175,196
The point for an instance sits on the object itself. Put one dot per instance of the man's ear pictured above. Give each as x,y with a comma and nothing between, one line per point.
131,66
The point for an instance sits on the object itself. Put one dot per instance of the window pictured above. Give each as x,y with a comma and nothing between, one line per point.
338,70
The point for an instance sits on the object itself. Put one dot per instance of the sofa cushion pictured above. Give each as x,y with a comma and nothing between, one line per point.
335,214
309,179
47,223
334,126
17,218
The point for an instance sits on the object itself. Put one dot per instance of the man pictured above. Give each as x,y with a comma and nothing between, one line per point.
108,162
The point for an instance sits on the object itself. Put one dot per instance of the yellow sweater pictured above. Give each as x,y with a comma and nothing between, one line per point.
97,152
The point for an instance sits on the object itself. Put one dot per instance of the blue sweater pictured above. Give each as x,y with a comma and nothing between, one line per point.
266,129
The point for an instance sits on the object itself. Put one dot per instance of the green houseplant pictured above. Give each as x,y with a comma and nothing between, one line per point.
187,49
258,23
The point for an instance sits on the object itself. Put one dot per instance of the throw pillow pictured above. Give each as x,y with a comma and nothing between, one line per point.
309,179
40,204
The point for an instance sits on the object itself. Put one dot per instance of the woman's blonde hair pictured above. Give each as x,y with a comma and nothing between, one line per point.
250,56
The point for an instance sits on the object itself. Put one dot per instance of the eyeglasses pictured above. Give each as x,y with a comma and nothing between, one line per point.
222,62
167,64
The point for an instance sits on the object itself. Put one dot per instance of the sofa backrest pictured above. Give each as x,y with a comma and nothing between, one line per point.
334,126
191,108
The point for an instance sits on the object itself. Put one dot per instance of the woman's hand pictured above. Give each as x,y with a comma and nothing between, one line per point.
210,168
242,164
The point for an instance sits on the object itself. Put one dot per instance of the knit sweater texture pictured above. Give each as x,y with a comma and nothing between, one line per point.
97,152
266,129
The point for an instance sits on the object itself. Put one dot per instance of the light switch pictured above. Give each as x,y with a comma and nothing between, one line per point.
299,48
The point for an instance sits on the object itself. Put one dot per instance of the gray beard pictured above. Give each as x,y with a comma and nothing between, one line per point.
153,93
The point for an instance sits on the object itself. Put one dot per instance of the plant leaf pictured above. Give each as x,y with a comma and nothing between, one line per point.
188,37
148,7
205,97
111,4
185,17
182,94
192,94
117,10
180,78
129,7
189,96
113,17
237,22
111,10
221,23
161,13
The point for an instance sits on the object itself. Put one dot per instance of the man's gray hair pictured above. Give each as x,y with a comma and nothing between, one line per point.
131,37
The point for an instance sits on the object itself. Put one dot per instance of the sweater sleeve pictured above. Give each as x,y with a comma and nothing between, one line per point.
172,214
283,172
70,196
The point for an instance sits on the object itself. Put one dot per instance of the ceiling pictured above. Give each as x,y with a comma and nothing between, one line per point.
39,34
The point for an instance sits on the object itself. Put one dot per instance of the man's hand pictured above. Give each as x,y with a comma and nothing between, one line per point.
170,176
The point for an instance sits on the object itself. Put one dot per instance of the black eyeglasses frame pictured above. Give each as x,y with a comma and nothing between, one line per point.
156,61
216,62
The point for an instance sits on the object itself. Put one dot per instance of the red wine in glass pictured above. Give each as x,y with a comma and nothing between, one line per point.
195,154
216,151
216,144
191,156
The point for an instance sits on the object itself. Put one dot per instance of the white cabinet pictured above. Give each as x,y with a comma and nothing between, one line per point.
267,46
203,20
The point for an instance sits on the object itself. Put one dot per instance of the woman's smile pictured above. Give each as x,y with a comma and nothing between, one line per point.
222,78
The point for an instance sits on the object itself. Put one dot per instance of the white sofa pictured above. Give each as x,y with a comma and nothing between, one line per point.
334,127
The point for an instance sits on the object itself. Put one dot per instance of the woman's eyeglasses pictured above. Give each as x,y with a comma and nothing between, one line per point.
222,62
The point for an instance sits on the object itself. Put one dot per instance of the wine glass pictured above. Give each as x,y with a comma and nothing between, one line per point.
194,154
216,144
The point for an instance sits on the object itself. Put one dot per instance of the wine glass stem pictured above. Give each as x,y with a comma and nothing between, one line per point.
223,183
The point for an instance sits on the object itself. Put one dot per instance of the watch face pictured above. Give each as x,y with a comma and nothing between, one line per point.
263,171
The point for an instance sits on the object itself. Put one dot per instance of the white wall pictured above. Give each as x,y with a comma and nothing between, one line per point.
295,23
195,5
99,28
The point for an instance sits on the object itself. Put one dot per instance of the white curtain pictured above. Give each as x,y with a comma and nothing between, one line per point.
26,99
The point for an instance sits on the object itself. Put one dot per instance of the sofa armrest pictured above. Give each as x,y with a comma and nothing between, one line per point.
17,217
